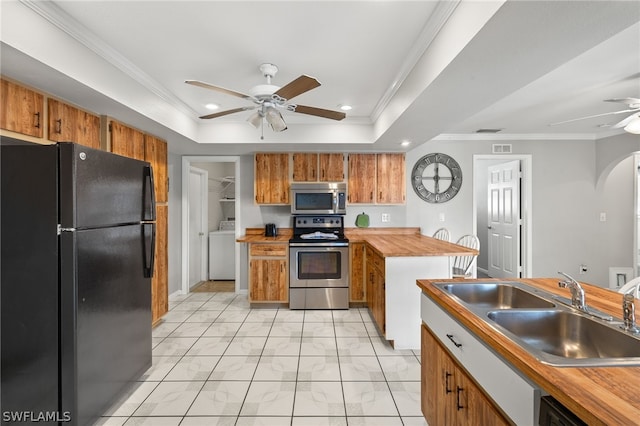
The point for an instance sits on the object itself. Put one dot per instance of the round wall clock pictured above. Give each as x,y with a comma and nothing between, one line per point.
436,178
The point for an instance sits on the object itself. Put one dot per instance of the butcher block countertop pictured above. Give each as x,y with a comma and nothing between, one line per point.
388,242
598,395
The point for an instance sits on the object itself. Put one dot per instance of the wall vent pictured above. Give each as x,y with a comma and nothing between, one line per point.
501,148
489,130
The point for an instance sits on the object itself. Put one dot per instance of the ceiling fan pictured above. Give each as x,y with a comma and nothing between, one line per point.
268,99
631,123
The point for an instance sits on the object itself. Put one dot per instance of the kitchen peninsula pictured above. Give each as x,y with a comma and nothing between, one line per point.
395,258
606,395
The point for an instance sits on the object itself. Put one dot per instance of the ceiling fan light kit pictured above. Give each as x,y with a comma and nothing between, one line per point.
268,98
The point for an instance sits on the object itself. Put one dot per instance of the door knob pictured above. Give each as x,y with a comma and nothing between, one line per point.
489,227
201,233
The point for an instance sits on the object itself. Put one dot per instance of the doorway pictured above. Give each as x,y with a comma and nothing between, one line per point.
481,164
187,196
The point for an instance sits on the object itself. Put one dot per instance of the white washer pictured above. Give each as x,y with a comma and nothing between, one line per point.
222,255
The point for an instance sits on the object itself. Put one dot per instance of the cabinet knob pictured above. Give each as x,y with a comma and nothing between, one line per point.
37,120
446,382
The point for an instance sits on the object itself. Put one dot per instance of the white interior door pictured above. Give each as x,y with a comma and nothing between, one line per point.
504,220
198,202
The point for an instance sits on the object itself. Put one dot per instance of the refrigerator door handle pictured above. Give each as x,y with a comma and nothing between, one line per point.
148,195
149,248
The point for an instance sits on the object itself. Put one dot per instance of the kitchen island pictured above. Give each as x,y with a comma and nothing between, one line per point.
598,395
402,256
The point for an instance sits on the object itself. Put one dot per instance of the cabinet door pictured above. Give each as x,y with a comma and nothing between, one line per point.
430,383
159,282
305,167
272,179
155,152
390,179
357,287
126,141
268,280
70,124
331,167
21,109
361,181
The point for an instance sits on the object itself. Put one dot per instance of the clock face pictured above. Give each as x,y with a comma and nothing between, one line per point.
436,178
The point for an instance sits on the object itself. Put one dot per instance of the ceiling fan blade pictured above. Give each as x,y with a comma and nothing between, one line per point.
319,112
594,116
628,101
626,121
227,112
219,89
302,84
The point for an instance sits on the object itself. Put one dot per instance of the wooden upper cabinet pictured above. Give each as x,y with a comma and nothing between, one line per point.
361,180
155,152
21,109
271,178
127,141
390,179
325,167
70,124
305,167
377,178
331,168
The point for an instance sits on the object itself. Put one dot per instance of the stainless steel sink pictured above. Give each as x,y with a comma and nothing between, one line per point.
496,296
554,333
562,337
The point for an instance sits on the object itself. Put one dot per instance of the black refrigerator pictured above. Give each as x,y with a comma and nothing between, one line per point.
77,243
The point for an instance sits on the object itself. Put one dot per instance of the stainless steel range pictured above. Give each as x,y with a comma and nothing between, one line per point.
319,263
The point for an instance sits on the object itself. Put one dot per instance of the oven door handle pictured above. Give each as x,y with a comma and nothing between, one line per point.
324,244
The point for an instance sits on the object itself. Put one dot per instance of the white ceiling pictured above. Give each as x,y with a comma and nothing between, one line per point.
412,70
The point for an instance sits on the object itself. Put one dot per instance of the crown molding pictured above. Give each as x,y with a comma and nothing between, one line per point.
439,17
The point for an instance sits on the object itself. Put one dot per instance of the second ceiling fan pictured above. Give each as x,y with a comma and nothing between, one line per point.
268,99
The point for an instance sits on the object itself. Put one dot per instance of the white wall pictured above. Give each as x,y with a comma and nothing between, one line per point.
566,204
175,223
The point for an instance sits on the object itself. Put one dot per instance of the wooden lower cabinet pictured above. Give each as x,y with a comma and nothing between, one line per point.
375,289
448,395
159,282
269,272
357,272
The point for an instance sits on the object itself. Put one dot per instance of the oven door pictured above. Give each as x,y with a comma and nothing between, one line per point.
314,265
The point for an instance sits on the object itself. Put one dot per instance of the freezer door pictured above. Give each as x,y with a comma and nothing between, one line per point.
98,188
106,316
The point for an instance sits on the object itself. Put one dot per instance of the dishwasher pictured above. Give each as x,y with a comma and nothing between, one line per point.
552,413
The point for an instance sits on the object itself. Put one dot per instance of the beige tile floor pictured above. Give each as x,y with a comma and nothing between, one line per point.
218,362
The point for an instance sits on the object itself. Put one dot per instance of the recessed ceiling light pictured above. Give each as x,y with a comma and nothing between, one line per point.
211,106
405,143
345,107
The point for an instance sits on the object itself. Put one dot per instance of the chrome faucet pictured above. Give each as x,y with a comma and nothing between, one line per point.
629,313
577,292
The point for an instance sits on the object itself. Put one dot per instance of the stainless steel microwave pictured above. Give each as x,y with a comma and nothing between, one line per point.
318,198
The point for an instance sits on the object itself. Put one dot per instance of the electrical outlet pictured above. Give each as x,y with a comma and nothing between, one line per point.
441,217
386,217
603,217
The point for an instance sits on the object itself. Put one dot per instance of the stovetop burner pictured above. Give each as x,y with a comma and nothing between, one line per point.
318,229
